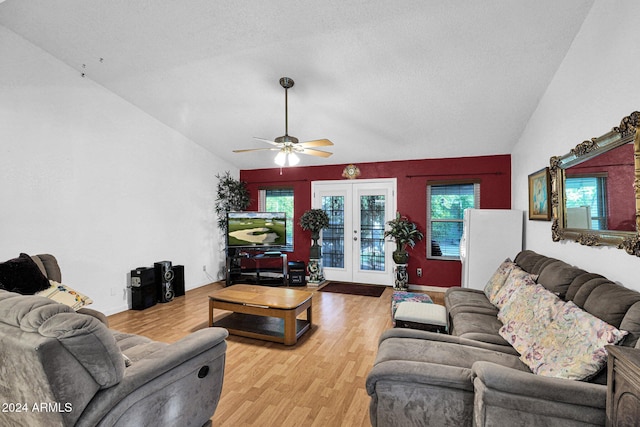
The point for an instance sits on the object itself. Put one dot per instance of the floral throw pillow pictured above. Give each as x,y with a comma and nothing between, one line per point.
573,347
517,277
496,281
527,314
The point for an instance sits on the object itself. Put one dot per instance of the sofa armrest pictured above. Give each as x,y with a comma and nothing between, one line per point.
94,313
173,372
531,399
523,383
419,373
433,336
407,392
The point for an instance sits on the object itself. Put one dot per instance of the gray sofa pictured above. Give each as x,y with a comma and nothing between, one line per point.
65,368
475,377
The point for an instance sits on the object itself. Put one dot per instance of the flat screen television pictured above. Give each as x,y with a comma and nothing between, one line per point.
251,229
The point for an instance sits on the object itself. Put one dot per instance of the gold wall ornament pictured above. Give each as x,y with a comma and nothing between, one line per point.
588,239
628,124
631,245
556,232
351,172
620,237
584,148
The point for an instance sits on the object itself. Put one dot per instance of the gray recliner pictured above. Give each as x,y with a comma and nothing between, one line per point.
64,368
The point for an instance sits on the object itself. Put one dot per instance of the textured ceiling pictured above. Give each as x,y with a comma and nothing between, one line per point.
383,80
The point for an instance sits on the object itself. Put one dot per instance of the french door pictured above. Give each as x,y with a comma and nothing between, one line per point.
353,246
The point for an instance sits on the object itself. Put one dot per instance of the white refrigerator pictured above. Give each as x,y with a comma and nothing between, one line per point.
489,236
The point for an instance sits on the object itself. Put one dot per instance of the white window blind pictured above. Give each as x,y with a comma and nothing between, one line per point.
445,206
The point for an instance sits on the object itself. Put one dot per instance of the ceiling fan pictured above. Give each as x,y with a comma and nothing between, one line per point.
289,147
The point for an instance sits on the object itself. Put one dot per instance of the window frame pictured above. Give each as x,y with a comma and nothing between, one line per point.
262,207
601,215
476,205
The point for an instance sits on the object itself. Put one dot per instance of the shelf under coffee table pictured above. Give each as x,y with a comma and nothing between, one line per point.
263,312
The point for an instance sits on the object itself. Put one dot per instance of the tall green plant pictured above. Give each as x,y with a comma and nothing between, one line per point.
231,195
404,232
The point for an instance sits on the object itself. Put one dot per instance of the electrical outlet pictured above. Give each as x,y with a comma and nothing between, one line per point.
204,267
419,272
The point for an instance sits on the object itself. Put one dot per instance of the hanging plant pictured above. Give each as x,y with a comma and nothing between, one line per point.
232,195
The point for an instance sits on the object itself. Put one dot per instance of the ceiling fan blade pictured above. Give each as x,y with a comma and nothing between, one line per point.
255,149
316,143
268,141
313,152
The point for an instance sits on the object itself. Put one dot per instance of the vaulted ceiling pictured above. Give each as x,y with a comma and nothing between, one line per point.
382,79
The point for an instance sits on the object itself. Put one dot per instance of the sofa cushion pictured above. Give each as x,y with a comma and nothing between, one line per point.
22,275
462,300
49,266
479,327
527,259
631,324
577,283
499,277
532,262
557,276
610,302
573,345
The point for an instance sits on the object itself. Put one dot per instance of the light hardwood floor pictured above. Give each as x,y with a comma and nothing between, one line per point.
318,382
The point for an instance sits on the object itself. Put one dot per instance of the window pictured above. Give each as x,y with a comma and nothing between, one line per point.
586,197
445,205
279,200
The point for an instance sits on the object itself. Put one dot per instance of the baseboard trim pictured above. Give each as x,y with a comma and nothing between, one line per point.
428,288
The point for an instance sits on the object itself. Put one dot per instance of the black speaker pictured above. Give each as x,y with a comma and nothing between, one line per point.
143,288
164,280
178,280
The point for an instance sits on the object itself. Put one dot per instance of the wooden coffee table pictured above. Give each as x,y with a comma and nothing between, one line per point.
262,312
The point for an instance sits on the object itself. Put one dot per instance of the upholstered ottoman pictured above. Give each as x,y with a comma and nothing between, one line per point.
421,315
417,312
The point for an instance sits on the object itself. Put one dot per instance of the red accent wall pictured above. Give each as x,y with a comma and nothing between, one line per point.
493,172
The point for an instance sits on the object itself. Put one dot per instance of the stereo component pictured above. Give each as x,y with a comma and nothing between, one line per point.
297,271
143,288
178,280
164,280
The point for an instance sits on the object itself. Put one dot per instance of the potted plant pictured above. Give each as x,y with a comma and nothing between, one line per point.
405,233
314,220
232,195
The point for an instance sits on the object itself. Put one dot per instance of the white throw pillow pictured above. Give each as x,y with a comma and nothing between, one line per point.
65,295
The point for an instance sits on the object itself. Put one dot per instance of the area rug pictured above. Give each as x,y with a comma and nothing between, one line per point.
353,289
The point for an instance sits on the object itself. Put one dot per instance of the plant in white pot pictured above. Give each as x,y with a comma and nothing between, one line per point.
405,233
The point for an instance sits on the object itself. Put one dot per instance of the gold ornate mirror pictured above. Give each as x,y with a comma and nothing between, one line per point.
595,190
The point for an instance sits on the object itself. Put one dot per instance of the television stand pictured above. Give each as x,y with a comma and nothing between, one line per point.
256,268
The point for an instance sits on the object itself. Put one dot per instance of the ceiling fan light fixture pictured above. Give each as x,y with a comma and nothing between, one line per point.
293,159
281,158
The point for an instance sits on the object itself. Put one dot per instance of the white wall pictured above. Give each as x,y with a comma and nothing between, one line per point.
594,88
88,177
